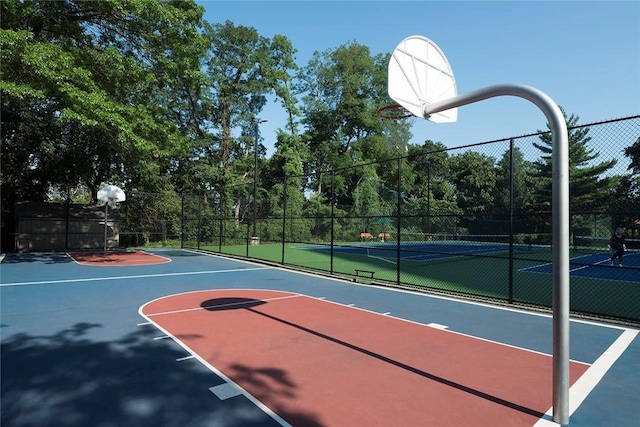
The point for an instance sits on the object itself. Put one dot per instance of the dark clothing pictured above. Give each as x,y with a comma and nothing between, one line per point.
616,243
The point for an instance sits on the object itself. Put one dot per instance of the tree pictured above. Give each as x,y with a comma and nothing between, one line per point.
340,88
588,186
633,152
523,183
85,72
242,68
430,189
474,177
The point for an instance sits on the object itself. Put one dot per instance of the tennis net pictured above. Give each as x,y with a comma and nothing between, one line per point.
591,244
436,246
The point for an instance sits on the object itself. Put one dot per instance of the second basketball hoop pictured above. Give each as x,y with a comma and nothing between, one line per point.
396,124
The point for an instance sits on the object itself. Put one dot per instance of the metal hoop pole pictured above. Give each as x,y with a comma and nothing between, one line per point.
560,227
106,210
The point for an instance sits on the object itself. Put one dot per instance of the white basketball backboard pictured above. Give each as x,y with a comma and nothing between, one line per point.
419,74
111,193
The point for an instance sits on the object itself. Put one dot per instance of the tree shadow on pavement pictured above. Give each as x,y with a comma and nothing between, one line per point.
68,379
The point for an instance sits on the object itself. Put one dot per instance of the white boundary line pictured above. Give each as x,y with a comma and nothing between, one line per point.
138,276
590,379
585,384
578,392
213,369
89,264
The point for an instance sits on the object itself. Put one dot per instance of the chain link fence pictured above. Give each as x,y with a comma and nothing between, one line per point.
471,221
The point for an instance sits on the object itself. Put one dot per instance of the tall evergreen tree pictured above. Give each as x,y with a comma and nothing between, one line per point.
589,187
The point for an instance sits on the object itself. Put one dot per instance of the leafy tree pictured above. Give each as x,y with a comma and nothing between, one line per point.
474,177
84,71
588,185
339,88
626,197
523,196
242,68
285,169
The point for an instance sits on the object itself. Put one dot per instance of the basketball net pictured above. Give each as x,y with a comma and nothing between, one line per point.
113,202
396,124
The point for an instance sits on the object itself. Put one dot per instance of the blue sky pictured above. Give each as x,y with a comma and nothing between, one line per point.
584,54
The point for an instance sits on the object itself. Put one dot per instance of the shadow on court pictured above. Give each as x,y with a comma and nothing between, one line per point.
239,303
76,381
46,258
231,303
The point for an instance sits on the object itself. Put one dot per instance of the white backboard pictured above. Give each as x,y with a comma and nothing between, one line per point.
111,193
419,74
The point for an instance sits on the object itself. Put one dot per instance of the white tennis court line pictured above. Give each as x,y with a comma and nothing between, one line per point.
138,276
590,379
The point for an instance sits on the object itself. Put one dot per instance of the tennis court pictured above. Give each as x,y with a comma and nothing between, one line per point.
488,266
201,340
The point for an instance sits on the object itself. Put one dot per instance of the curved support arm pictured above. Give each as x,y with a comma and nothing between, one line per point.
560,221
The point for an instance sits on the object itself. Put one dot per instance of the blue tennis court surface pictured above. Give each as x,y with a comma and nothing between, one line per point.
597,266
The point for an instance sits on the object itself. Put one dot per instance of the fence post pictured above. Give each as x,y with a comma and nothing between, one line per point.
333,199
66,222
247,236
181,220
398,213
511,206
199,218
284,217
221,210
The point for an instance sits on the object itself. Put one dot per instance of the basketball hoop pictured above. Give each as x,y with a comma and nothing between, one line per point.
396,124
394,112
111,195
113,202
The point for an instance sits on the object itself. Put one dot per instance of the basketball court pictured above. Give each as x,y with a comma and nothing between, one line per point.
184,338
205,340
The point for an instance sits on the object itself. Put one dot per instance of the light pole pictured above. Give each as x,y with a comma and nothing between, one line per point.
255,239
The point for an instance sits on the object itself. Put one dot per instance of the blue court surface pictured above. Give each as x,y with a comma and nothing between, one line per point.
598,266
75,351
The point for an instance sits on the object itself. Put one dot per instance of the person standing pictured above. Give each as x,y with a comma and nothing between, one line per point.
617,246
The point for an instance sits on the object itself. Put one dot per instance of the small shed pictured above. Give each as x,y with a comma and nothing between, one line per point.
42,227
